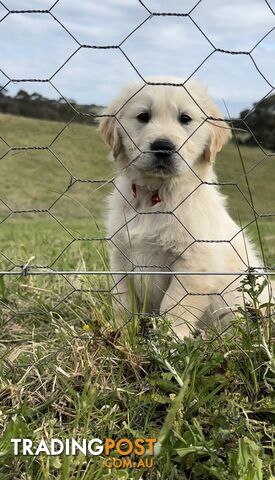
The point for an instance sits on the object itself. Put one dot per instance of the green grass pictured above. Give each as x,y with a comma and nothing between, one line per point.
64,372
209,402
251,199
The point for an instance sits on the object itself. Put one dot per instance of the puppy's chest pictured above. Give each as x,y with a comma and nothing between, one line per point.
156,238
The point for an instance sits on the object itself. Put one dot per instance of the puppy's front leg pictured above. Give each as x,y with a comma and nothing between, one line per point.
184,310
121,290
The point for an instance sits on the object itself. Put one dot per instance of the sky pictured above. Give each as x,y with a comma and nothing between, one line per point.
38,46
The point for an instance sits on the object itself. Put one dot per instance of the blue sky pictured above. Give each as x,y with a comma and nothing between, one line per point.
35,46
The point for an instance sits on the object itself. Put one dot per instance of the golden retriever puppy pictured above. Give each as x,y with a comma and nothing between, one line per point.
166,213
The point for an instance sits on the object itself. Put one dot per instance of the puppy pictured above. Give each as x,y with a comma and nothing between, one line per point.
166,213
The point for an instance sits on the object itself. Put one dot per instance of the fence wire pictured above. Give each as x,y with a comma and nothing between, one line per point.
71,276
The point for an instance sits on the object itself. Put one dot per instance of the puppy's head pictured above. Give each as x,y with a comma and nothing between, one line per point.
163,130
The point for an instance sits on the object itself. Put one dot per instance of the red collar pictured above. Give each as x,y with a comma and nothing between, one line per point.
154,197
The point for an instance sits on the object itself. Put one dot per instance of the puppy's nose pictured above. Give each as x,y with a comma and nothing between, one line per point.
162,147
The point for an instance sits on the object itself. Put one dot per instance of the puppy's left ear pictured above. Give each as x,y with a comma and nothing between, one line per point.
220,133
108,128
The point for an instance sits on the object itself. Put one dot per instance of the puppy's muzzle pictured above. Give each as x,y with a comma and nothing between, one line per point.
163,150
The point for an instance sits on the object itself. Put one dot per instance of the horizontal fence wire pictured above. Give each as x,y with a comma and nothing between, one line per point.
26,272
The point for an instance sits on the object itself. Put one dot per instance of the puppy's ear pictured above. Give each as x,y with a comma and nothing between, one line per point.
109,131
220,133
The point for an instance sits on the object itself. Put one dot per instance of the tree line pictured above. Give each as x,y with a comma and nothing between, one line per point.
36,106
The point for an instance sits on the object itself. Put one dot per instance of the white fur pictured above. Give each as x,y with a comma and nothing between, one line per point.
190,209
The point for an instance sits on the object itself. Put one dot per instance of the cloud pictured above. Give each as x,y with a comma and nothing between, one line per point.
101,23
233,81
232,24
35,46
27,4
175,6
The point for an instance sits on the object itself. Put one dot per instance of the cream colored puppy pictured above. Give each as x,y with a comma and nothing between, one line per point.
166,213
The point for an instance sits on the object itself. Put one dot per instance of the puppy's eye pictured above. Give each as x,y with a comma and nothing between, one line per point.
143,117
184,119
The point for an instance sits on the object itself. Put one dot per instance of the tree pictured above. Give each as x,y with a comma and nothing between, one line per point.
3,91
36,106
22,95
261,121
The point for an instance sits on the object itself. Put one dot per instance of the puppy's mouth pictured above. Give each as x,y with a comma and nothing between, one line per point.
160,165
163,164
160,159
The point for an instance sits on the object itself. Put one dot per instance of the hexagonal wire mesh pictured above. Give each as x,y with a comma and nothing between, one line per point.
77,280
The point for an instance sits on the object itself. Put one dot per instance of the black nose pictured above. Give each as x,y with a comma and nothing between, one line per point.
162,147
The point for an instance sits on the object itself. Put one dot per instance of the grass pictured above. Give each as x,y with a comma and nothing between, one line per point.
65,372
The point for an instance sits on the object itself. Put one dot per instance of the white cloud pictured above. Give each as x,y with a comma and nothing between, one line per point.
27,4
34,46
167,46
101,23
175,6
233,79
264,56
234,24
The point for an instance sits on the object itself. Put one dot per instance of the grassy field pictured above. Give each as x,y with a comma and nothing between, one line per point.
65,372
36,179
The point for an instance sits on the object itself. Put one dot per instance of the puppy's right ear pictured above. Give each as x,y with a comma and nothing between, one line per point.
108,128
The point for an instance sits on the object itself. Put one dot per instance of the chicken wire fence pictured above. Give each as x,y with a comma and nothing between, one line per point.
90,278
